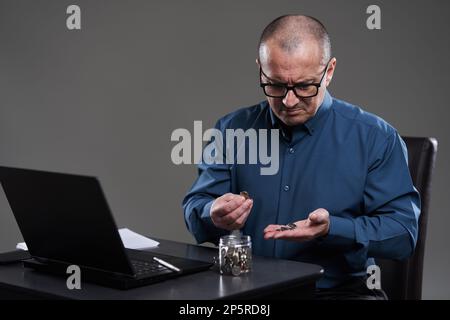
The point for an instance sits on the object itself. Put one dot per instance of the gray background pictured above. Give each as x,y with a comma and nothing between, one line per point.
104,101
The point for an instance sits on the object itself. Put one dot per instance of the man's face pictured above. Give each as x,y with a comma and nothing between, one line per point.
301,66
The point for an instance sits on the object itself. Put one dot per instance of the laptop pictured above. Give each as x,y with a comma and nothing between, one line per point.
65,220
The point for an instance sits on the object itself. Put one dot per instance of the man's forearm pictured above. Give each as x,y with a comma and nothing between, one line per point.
198,220
380,236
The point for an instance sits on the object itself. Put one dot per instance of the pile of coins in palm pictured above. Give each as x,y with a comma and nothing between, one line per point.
289,226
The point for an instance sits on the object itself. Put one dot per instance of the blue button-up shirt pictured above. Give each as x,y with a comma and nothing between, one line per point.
343,159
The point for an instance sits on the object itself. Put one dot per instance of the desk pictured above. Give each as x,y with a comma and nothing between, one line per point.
270,278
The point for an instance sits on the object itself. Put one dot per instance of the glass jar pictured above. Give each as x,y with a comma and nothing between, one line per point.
235,254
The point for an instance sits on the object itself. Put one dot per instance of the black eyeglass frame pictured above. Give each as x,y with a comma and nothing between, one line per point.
288,88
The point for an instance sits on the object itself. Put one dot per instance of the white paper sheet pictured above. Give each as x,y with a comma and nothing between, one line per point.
130,239
133,240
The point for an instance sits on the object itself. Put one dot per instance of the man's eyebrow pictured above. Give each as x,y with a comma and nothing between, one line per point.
303,82
275,81
306,81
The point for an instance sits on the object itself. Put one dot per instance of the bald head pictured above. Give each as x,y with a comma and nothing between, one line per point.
292,32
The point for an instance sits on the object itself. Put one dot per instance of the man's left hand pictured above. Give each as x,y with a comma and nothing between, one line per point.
317,225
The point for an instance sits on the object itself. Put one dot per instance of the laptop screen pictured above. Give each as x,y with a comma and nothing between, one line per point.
65,217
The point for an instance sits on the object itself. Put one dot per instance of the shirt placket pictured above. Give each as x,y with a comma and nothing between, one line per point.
288,152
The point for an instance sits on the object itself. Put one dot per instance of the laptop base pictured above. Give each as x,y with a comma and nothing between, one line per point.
122,281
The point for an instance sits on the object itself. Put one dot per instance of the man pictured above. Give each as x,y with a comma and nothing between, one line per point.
343,177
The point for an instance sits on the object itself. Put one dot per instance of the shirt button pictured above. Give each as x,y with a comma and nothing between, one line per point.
286,188
291,150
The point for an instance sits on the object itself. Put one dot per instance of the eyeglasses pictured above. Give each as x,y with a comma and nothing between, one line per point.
301,90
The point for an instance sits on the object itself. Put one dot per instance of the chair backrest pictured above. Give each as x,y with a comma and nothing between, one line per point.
403,279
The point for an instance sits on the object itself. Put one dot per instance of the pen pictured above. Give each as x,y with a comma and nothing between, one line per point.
166,264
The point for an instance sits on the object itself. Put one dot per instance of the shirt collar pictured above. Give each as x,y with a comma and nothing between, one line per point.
312,124
316,121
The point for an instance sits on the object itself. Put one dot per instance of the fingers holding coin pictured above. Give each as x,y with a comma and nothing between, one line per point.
230,211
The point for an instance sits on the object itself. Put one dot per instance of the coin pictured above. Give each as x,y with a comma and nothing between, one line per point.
291,226
245,194
236,270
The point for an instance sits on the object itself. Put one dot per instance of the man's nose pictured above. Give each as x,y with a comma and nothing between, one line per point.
290,100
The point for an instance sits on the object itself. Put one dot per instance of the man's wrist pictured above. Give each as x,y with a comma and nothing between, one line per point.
341,232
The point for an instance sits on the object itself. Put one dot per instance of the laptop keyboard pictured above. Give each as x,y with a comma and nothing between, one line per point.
143,268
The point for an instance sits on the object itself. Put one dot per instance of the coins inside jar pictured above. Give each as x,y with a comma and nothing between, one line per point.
235,255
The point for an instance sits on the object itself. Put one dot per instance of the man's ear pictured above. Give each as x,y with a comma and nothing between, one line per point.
258,63
330,71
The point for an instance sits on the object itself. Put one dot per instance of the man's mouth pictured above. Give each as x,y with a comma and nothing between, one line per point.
294,111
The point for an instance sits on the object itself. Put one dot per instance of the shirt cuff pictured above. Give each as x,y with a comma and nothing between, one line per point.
206,216
341,233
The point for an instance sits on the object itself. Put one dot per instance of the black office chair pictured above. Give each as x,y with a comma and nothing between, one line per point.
402,280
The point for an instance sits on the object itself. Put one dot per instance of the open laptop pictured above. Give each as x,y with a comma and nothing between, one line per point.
65,220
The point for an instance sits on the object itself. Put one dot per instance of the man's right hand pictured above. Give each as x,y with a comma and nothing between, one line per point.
230,211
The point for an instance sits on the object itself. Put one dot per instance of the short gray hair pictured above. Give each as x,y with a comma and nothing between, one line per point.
290,31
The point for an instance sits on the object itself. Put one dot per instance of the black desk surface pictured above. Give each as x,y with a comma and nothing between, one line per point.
269,278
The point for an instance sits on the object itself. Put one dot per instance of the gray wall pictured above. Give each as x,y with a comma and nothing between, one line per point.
104,100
